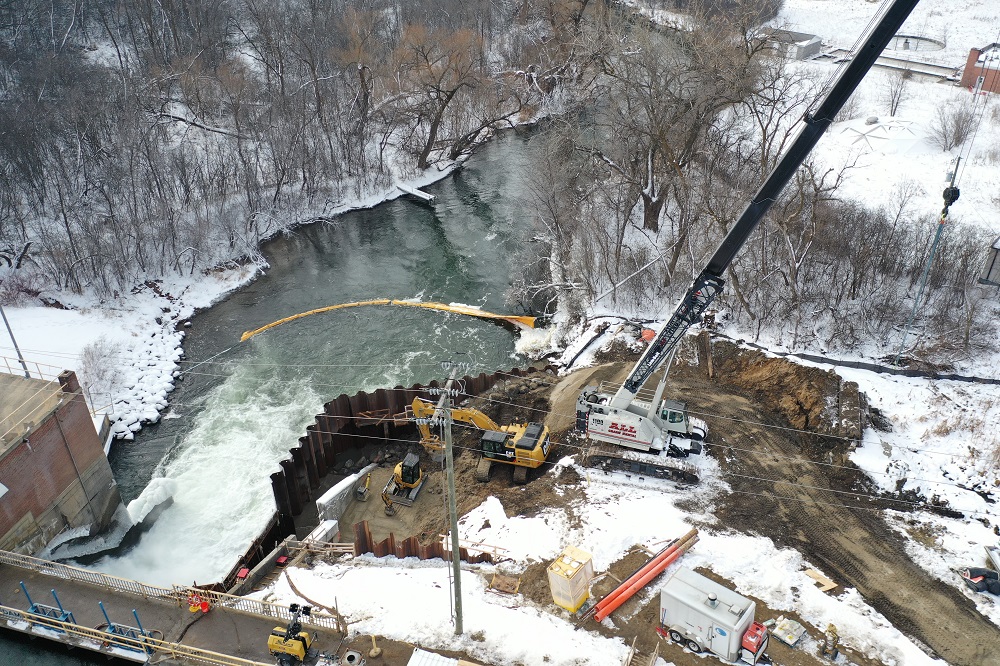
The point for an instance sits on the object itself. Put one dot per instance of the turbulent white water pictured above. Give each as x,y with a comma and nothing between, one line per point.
220,474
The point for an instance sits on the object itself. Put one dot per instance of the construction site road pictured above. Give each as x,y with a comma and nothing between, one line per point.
779,493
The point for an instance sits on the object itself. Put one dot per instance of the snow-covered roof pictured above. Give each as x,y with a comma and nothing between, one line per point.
989,57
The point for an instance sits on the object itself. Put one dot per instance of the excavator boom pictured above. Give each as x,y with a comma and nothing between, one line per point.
523,445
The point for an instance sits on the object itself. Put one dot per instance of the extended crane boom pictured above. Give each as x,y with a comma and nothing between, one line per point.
620,419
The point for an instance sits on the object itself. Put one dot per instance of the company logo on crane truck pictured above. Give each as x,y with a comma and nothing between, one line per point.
651,428
667,428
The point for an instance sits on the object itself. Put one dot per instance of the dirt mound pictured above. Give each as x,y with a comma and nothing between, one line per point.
801,394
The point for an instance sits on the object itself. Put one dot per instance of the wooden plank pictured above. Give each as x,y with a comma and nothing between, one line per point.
825,584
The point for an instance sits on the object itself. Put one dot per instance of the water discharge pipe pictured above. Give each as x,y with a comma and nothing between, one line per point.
665,553
651,573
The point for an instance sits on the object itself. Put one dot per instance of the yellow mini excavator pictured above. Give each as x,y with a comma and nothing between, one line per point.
405,484
293,646
525,446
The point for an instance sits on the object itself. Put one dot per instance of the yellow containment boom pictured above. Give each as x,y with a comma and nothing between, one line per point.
520,322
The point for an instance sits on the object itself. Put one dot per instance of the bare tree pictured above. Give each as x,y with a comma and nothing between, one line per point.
951,126
894,88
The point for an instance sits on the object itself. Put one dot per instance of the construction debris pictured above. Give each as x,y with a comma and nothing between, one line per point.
788,631
981,580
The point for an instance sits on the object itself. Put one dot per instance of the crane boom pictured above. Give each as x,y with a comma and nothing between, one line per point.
710,281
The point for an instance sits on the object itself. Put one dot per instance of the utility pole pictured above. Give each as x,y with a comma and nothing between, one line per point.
27,375
456,558
442,414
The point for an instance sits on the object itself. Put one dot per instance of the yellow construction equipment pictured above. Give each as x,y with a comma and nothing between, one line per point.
523,445
405,484
292,645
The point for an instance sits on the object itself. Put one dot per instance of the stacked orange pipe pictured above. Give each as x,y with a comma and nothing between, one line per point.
643,576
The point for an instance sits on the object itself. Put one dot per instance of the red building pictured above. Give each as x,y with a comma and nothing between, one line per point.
982,69
54,476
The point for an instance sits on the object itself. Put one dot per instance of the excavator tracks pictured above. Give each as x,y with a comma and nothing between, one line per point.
483,469
610,458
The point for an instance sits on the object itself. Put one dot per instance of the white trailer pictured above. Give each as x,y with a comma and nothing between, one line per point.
704,615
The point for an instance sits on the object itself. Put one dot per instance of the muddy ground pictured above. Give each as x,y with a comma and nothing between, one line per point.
755,407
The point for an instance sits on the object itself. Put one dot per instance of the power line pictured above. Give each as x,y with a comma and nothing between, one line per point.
566,445
734,419
70,355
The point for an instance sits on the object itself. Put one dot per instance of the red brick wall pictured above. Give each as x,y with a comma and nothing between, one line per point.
36,472
972,72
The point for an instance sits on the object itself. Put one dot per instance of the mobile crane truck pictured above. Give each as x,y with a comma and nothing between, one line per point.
659,429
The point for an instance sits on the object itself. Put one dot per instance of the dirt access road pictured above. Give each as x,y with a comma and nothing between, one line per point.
778,492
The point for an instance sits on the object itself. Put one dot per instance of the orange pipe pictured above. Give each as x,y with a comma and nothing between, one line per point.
652,563
643,581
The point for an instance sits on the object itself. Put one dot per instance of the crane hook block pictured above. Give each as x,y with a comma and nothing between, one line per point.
950,195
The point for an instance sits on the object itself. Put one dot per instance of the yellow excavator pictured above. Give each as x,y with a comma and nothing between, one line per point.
405,484
525,446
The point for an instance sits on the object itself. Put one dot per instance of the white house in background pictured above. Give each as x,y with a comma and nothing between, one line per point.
795,45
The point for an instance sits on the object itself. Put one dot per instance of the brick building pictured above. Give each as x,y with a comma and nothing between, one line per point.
54,475
983,64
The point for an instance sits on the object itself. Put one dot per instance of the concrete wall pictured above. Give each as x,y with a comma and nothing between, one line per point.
57,476
334,502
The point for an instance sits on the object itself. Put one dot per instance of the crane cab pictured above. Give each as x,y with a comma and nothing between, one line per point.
636,427
674,415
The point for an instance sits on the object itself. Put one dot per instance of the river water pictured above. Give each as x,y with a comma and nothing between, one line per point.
234,417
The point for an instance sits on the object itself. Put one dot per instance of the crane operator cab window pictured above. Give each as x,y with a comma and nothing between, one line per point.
673,411
670,416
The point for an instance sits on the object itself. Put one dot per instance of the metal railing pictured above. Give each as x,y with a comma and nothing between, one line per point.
320,547
12,366
48,372
177,595
101,640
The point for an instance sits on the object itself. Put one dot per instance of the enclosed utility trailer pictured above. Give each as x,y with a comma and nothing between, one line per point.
704,615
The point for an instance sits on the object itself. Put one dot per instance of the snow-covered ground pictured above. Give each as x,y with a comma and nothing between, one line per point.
611,516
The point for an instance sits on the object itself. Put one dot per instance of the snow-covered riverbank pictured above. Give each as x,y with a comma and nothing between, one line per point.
128,352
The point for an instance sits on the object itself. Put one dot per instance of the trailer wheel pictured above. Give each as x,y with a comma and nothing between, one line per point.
693,646
676,636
